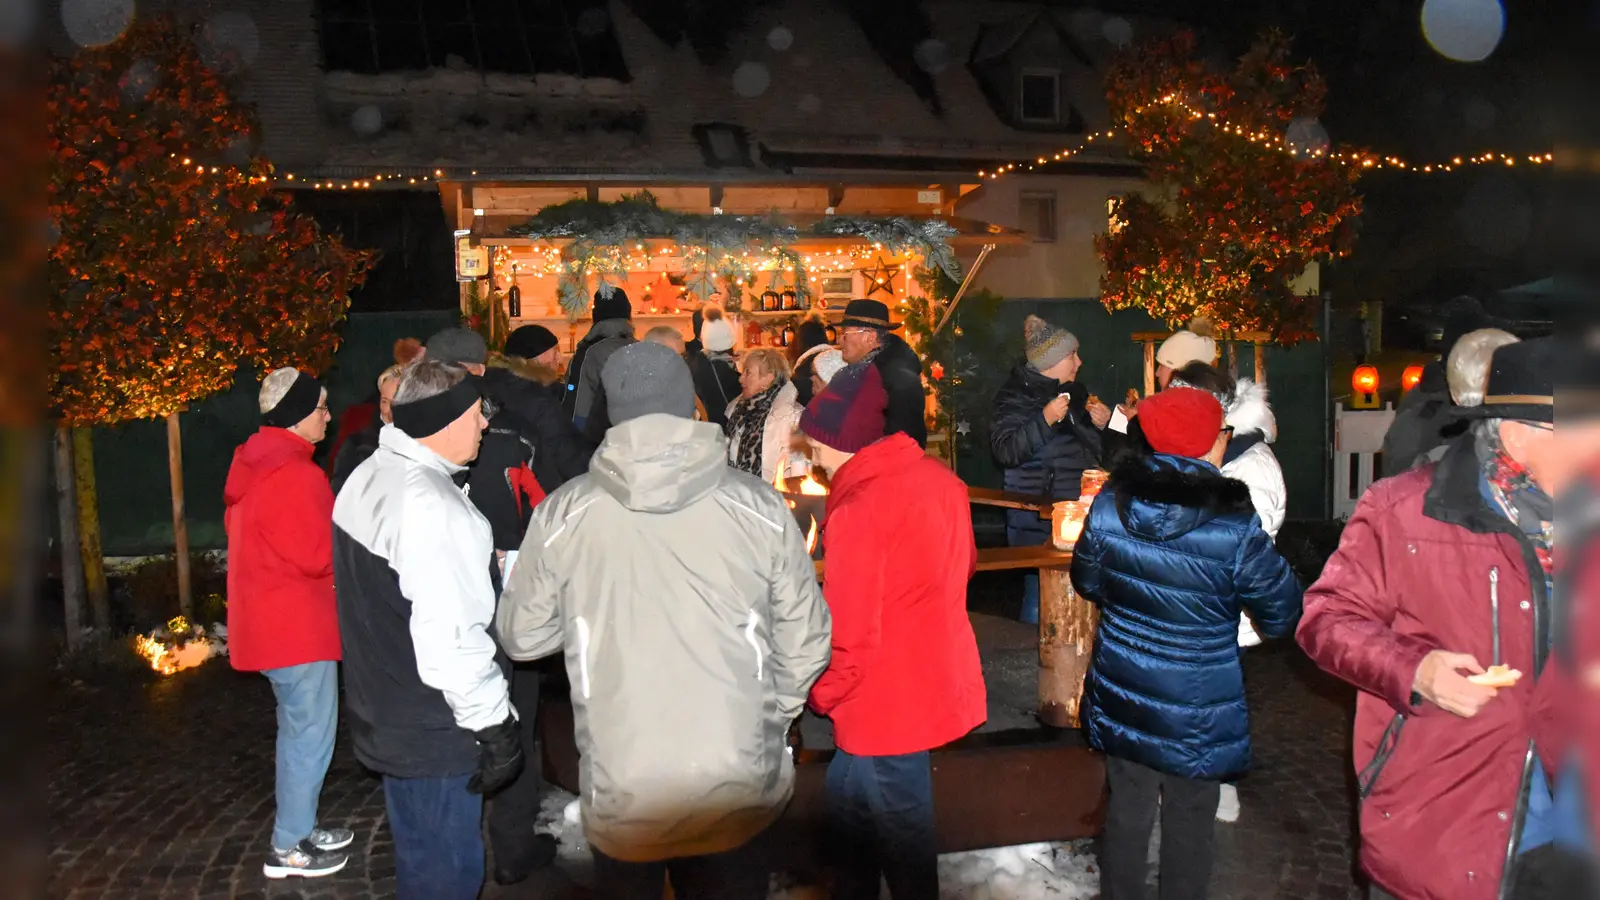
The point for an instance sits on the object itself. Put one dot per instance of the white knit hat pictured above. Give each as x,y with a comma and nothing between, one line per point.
717,335
828,364
1185,347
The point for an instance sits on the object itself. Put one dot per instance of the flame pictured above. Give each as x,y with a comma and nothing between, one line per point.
167,659
811,487
811,537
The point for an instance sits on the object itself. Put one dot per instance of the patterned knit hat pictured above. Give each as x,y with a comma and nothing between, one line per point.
1045,344
848,415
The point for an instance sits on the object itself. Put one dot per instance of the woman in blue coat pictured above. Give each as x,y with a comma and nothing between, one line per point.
1172,552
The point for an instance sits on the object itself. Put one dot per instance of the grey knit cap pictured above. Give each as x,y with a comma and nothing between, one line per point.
646,378
1045,344
458,345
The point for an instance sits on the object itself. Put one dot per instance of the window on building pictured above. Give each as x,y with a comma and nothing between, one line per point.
1036,214
1040,99
522,37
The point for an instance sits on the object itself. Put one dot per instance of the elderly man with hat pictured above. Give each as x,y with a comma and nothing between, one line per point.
681,592
1437,606
1045,433
866,334
281,616
1172,554
905,676
425,684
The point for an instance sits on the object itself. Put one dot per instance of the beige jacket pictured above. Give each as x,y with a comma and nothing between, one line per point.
681,593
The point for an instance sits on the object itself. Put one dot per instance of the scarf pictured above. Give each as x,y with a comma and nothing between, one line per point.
1516,495
747,426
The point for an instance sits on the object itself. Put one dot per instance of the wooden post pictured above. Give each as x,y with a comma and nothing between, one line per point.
1261,364
1066,639
1233,359
67,522
1149,368
94,563
180,523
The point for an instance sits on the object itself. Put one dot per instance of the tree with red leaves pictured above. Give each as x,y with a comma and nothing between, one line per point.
176,262
1246,191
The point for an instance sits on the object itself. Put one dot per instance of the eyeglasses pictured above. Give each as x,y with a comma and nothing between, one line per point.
323,408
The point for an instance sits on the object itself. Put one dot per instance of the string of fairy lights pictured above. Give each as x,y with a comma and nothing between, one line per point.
1280,142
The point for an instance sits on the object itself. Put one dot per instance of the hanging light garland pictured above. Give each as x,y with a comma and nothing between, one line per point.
1276,141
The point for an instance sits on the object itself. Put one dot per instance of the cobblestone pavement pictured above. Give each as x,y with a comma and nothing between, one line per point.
163,789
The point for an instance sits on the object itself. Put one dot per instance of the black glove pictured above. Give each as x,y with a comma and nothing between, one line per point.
499,757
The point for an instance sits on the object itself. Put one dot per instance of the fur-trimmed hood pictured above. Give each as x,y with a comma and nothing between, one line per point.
1162,497
524,368
1249,412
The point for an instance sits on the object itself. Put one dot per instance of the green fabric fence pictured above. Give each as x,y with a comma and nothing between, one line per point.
131,459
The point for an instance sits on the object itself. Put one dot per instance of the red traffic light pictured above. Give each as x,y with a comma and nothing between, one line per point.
1364,379
1410,377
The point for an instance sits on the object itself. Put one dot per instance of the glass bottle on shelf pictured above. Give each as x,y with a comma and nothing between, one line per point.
786,337
791,300
769,301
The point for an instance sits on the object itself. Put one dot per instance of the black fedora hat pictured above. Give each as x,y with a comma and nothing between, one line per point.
1521,382
869,313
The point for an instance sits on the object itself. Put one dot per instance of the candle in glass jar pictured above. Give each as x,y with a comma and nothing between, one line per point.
1068,520
1093,480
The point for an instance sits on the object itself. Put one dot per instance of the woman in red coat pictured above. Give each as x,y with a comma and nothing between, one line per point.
282,620
904,677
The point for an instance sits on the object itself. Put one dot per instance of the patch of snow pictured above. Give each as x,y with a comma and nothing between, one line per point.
780,39
751,79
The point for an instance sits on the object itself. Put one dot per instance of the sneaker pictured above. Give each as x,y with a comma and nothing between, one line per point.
326,839
1228,804
304,861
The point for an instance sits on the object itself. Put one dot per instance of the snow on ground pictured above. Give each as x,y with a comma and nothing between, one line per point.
1026,872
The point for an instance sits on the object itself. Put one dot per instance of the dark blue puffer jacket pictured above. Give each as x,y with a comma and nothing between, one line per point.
1171,553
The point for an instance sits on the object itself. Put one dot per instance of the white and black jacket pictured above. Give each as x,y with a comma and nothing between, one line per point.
412,564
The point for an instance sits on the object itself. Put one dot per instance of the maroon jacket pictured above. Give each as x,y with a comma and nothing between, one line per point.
1426,564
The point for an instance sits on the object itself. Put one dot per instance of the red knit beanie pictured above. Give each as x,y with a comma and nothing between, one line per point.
1181,421
849,413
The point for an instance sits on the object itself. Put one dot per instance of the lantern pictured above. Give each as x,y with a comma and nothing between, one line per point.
1066,522
1364,380
752,333
1410,377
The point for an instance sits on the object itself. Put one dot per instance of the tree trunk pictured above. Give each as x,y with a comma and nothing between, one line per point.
180,523
71,556
94,563
1066,640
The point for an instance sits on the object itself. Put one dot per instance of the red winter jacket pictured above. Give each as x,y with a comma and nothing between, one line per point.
1424,564
280,555
904,676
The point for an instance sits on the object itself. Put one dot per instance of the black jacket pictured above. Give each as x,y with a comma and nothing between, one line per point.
716,383
354,451
497,480
533,398
1040,459
1422,423
902,381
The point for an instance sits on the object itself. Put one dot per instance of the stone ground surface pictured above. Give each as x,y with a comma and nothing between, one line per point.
162,788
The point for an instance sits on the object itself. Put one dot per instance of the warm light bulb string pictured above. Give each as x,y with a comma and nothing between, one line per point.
1276,141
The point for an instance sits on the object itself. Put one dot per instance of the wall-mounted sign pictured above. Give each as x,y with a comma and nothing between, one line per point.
472,262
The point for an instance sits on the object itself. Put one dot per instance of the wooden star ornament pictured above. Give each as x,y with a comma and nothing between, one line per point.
880,277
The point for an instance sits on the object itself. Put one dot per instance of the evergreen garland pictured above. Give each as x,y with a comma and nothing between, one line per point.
735,250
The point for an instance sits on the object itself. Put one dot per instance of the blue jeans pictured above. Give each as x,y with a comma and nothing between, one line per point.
308,715
438,841
1026,529
880,814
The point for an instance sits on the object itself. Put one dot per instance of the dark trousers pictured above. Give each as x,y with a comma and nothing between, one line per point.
513,811
738,874
438,844
1188,830
880,815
